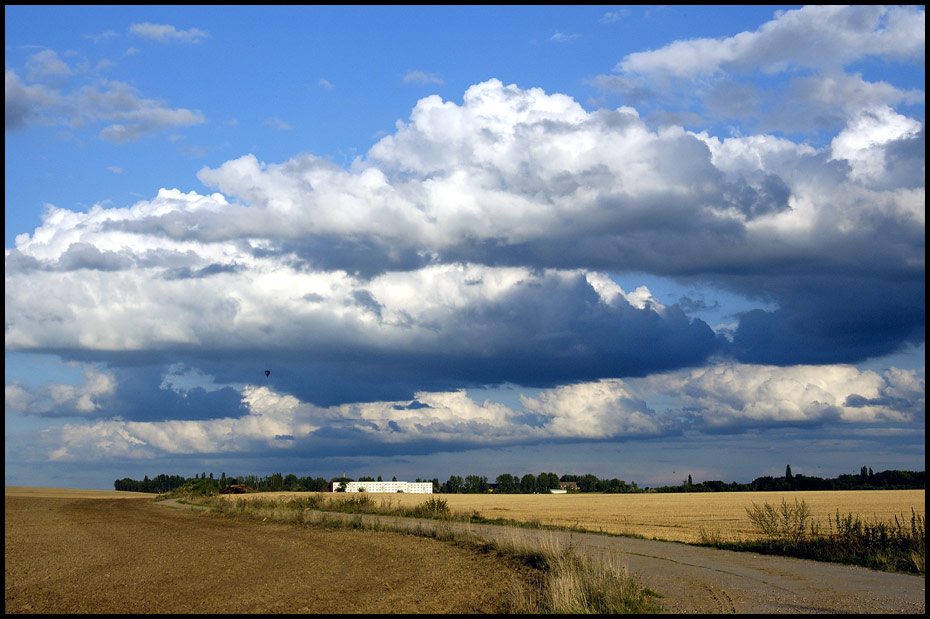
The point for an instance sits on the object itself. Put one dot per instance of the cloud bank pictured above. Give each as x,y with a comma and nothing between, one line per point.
791,74
474,246
56,94
477,229
718,398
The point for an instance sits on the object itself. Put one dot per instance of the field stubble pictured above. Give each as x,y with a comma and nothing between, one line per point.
81,552
678,517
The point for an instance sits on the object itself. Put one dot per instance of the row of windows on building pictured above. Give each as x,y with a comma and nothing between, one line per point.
385,486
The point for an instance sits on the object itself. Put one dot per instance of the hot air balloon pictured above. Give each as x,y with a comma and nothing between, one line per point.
267,372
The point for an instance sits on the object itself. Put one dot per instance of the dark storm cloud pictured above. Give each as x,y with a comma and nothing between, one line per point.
540,333
833,320
905,162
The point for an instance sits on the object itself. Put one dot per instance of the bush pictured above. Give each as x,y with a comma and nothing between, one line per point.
432,508
789,529
787,525
356,504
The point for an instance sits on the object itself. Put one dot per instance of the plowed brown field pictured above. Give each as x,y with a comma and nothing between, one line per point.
92,555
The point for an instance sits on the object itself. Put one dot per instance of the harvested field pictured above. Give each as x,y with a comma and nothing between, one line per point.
69,493
72,552
672,517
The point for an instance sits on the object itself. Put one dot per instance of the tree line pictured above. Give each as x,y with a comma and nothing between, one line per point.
276,482
535,484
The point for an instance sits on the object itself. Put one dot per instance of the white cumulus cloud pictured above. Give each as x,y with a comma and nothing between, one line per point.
167,33
715,397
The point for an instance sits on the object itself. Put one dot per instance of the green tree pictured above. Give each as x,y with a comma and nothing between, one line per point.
617,486
528,483
317,484
454,484
506,483
589,483
546,481
475,484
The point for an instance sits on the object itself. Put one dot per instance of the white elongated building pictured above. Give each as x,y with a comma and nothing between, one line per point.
412,487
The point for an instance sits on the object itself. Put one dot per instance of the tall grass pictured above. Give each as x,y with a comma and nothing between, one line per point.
789,529
567,582
579,584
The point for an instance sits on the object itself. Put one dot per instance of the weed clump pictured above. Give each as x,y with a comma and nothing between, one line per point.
577,584
786,525
790,530
434,507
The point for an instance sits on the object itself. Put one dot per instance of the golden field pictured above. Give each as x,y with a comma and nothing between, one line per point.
674,517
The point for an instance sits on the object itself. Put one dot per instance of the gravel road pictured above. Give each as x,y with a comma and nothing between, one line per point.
693,579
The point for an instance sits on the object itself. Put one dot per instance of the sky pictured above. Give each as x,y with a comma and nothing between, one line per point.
638,242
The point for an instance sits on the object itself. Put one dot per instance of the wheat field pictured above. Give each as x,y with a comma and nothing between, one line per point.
675,517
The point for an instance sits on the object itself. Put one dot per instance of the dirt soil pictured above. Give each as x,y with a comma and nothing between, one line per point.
77,555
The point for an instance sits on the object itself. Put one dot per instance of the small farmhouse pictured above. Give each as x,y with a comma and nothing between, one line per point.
385,486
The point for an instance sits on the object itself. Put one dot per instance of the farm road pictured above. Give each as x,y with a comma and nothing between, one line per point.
693,579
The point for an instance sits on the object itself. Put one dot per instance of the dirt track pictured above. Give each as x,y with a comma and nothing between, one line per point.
82,555
67,555
692,579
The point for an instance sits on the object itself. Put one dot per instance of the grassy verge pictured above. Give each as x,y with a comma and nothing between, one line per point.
789,530
435,507
567,581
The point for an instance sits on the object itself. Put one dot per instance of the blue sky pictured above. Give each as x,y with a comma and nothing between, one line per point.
640,242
